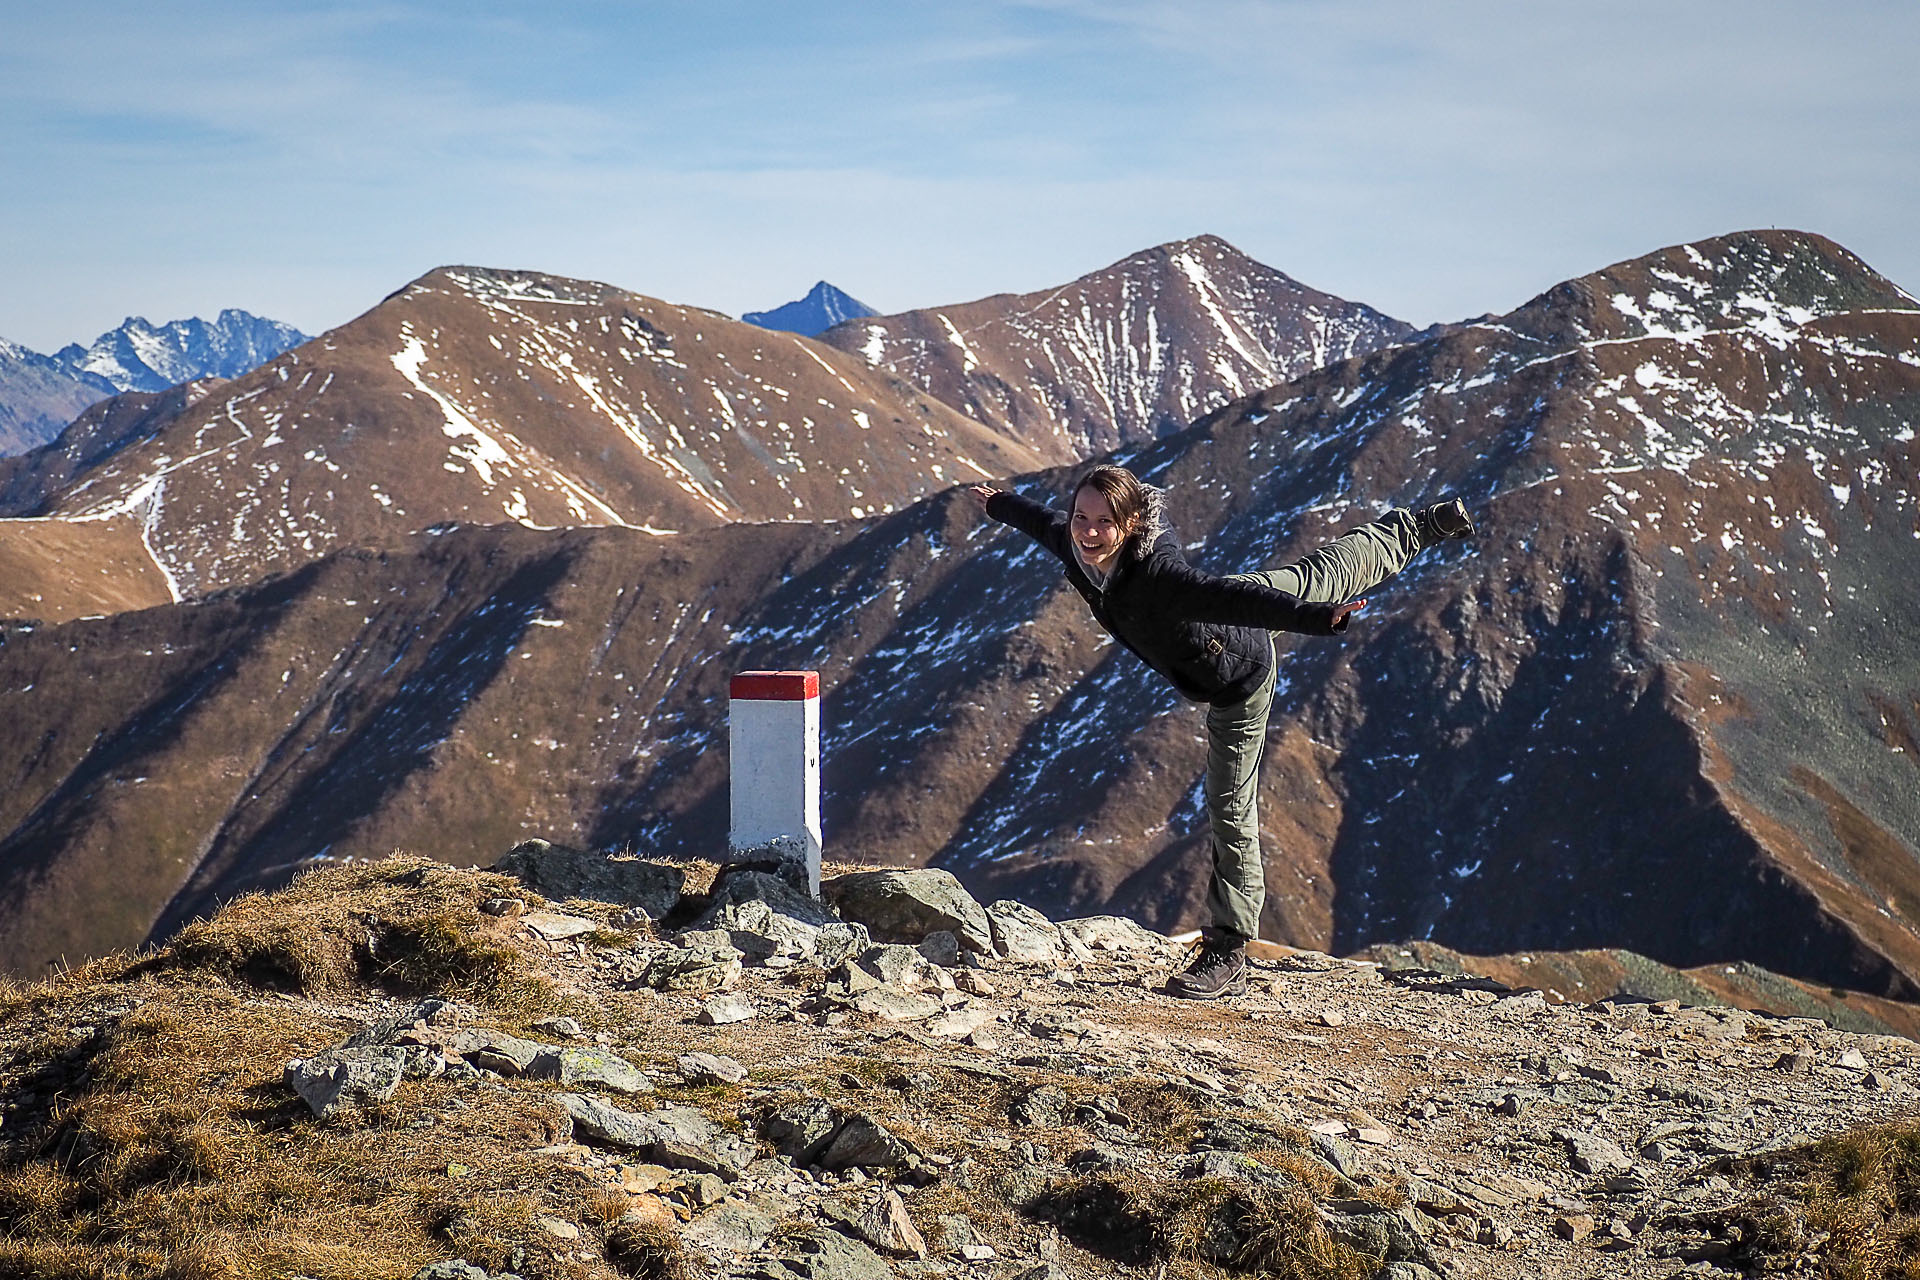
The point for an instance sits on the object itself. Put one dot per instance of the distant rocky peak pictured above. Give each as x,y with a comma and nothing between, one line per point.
142,356
822,308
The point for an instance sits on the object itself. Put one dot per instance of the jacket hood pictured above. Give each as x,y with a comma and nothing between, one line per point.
1153,523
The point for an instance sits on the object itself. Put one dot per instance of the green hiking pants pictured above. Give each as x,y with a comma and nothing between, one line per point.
1350,565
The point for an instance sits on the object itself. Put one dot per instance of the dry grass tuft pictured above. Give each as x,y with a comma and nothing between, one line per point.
648,1251
1136,1221
409,925
1863,1190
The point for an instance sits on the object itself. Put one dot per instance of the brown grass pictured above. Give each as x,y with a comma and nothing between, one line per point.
1135,1220
164,1142
409,925
1863,1189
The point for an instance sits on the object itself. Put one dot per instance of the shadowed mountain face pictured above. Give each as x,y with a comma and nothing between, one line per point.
1666,701
38,397
1123,355
485,396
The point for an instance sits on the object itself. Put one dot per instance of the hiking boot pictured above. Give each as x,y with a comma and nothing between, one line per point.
1443,520
1219,969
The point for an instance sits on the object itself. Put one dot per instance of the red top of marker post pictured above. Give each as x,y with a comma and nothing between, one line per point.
776,686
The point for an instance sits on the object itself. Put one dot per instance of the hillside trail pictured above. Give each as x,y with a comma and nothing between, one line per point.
775,1089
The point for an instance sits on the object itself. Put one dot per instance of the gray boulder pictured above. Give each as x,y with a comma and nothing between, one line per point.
1589,1153
800,1131
503,1054
337,1079
906,906
1024,934
1113,933
693,970
588,1066
558,872
676,1137
819,1253
865,1143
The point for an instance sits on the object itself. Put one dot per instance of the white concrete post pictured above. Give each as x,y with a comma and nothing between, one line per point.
773,739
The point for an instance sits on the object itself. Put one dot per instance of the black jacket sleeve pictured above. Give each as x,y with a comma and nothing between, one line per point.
1041,523
1204,597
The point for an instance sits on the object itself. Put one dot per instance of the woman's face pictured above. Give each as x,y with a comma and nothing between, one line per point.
1094,529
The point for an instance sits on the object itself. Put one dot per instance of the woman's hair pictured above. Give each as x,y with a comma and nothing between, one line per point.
1126,496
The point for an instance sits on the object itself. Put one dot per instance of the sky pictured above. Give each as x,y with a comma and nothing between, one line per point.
1435,160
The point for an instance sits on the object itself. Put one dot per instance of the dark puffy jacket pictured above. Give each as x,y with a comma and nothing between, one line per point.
1204,633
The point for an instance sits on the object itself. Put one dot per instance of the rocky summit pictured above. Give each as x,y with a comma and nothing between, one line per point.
1122,355
400,1069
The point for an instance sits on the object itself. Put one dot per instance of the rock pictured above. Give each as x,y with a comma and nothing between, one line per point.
568,1027
731,1228
800,1131
555,926
558,1228
693,970
1573,1226
708,1068
724,1010
1022,934
427,1013
677,1137
335,1080
820,1253
558,872
865,1143
897,966
959,1023
1231,1166
1590,1154
894,1005
1853,1060
882,1221
1337,1153
906,906
503,1054
766,915
588,1066
456,1269
1391,1235
836,944
1044,1107
942,948
1113,933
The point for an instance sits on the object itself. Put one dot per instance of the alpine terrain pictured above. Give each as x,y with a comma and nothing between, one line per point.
1664,702
1123,355
482,396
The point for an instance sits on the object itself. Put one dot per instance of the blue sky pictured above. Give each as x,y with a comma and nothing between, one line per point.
1436,160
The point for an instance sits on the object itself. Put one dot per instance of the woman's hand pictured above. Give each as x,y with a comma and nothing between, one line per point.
981,493
1342,613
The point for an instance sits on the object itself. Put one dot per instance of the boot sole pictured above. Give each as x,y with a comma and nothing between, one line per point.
1238,987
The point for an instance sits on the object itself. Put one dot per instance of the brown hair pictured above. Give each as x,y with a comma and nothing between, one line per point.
1125,495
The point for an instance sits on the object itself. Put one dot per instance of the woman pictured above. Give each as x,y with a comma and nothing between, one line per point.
1209,636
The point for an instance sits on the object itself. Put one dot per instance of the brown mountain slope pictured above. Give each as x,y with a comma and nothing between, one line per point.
54,570
1125,354
1621,718
480,395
